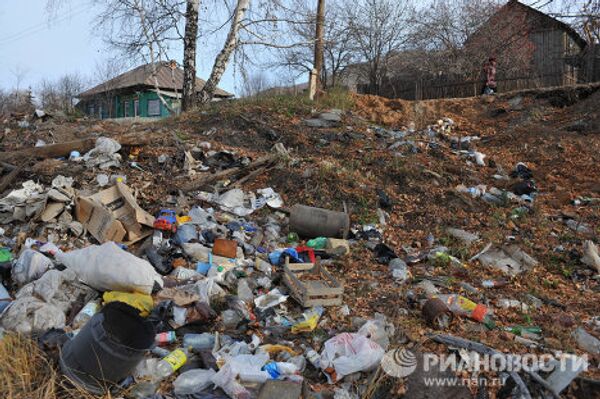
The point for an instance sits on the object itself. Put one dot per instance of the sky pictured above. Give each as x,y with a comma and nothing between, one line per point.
35,46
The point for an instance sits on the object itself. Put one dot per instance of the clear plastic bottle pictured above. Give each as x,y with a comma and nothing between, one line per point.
171,363
199,341
86,313
244,291
313,357
493,283
165,338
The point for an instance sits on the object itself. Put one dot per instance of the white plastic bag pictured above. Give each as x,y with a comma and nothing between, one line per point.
109,268
378,330
193,381
30,266
349,353
208,289
247,364
27,315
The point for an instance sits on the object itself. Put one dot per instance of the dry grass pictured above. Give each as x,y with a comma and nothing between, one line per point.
26,373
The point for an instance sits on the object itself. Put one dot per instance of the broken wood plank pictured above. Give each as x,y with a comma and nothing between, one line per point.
10,178
64,149
204,180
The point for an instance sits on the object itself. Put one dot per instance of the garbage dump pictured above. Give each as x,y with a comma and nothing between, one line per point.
339,265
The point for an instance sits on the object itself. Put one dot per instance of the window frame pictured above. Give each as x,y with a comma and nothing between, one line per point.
157,107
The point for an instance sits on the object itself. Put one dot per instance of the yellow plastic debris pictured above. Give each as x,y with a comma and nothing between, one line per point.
142,302
183,219
272,349
307,325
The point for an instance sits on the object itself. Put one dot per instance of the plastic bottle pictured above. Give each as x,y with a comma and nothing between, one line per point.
493,283
313,357
86,313
199,341
4,298
193,381
317,243
165,338
399,269
244,291
463,306
171,363
525,332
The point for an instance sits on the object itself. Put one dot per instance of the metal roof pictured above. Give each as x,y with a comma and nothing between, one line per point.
167,78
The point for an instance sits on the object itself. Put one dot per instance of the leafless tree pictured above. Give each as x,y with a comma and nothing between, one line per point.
338,44
255,84
104,72
60,95
190,42
440,32
582,15
378,28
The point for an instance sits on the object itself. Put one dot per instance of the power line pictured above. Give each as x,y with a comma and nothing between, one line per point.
39,27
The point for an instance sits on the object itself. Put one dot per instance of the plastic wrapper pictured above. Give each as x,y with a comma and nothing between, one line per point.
349,353
30,266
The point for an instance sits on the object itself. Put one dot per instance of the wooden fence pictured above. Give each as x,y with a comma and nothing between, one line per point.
424,89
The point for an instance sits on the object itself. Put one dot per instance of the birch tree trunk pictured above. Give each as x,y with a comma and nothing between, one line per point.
318,59
188,99
222,59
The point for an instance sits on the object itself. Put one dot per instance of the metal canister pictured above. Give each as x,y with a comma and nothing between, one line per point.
437,314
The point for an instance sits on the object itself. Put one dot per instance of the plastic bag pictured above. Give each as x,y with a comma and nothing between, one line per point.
193,381
29,315
236,365
109,268
104,154
349,353
270,299
378,330
141,302
208,289
30,266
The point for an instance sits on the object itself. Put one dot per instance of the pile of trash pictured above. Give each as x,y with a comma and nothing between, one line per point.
226,291
209,296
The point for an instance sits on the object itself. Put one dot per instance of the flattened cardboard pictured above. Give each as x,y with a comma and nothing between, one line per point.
113,215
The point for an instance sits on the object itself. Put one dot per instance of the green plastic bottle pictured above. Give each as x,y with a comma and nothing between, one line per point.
317,243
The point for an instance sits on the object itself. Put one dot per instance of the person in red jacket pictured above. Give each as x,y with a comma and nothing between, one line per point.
489,70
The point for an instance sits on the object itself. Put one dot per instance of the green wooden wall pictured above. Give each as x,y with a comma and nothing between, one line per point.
127,100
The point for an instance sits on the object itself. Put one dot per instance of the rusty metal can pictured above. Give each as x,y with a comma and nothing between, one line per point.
436,313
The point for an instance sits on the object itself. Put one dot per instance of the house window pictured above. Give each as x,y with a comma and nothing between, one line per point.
154,107
91,110
126,109
136,107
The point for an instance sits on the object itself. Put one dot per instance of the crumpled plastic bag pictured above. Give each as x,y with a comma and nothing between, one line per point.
104,155
30,266
20,196
208,289
349,353
43,304
270,299
226,378
30,315
378,330
107,267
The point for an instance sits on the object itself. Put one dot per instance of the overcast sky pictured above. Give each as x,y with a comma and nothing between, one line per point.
36,46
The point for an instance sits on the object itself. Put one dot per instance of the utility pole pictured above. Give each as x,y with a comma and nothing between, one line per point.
315,75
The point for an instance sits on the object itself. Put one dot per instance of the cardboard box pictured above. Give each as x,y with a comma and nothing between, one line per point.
114,215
